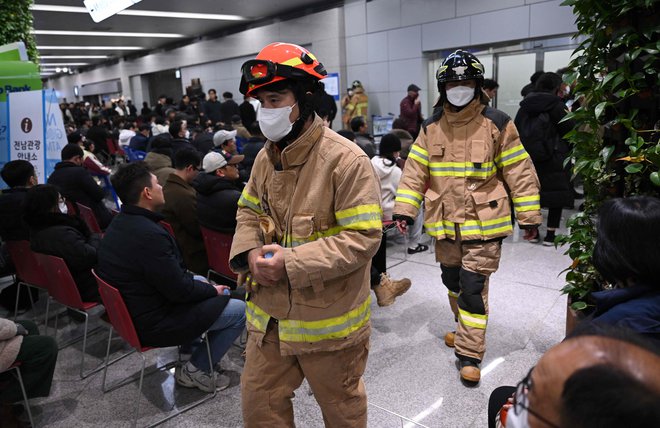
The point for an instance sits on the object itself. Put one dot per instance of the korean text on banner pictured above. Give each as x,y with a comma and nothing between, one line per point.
26,129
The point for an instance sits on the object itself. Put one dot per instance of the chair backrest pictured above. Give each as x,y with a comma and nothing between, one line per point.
218,245
28,268
118,313
168,227
112,149
135,155
62,286
88,217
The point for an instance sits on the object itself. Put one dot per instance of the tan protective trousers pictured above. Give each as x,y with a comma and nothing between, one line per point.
269,380
472,263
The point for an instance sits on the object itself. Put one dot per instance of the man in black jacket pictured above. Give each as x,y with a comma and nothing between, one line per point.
169,306
77,185
217,194
19,176
228,108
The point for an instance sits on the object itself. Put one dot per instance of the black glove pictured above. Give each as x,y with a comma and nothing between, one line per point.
400,217
20,330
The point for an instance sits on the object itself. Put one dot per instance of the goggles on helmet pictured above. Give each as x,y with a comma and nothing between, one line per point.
258,72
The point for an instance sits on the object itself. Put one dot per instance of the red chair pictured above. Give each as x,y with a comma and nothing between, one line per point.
28,269
88,217
218,245
168,227
63,289
17,366
122,322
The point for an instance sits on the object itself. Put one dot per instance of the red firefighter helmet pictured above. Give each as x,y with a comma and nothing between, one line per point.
279,61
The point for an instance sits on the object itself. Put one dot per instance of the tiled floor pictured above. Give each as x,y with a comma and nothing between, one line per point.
410,374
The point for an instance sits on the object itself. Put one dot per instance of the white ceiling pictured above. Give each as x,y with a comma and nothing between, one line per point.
252,12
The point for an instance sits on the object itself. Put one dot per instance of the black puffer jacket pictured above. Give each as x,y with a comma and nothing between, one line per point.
11,215
251,149
556,188
67,237
141,259
217,202
76,184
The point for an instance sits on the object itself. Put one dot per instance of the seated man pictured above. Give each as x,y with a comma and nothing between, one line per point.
19,176
77,185
168,305
217,193
225,141
37,354
180,209
362,137
141,138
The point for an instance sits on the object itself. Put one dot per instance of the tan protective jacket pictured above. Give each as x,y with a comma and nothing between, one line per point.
325,203
474,163
358,105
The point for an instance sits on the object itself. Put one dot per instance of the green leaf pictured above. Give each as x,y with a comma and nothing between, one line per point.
634,168
599,109
655,178
579,306
606,153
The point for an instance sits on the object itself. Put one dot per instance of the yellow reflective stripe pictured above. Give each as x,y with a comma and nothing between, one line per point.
487,227
511,156
527,203
292,62
361,217
462,169
472,320
419,154
329,328
256,316
249,201
440,228
452,294
409,197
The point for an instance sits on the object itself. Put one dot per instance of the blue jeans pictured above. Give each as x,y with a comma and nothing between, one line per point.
222,334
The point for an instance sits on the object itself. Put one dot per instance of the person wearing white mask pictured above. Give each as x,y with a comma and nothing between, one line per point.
308,223
475,166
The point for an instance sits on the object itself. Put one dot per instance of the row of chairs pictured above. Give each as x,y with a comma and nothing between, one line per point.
51,274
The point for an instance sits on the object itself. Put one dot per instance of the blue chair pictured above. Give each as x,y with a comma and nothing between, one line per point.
135,155
108,186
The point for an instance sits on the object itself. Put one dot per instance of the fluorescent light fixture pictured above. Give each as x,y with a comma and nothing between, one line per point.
106,34
102,9
49,64
91,48
74,56
149,13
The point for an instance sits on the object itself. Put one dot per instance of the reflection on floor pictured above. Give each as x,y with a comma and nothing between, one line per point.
411,375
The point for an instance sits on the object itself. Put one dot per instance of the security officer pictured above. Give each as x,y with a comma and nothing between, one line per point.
358,104
316,195
470,154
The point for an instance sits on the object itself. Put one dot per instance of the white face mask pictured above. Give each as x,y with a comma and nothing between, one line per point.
460,95
63,208
274,122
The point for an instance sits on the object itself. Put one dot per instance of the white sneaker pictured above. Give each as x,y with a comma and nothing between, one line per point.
192,377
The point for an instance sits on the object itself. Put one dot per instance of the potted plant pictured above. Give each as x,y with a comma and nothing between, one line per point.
615,145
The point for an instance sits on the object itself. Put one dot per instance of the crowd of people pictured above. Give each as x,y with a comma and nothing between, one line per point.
309,209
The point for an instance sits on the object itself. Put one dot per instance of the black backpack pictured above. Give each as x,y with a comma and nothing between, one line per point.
539,136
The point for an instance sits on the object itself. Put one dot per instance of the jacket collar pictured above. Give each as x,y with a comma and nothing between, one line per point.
175,179
466,115
297,152
135,210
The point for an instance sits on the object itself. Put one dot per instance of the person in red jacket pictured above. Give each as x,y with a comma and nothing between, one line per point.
411,110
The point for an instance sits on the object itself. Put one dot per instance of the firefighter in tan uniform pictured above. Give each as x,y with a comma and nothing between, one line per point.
357,105
469,154
315,195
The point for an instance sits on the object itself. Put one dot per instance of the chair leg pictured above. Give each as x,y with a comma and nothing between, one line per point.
18,293
47,313
107,358
84,346
25,397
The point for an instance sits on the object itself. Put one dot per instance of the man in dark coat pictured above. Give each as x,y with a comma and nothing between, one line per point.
212,110
141,138
99,135
228,108
19,176
180,209
77,185
169,306
247,112
543,108
217,193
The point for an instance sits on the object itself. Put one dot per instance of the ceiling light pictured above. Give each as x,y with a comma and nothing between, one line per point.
50,64
73,56
150,13
105,34
57,69
91,48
